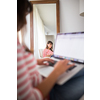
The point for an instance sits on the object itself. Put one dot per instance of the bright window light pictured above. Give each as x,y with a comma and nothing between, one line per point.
20,37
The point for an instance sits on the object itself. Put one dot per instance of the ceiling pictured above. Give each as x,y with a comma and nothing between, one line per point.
48,15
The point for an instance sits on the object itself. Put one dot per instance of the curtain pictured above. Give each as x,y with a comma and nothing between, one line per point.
39,33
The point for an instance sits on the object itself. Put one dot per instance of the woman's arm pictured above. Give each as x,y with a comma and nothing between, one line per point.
49,82
41,61
47,53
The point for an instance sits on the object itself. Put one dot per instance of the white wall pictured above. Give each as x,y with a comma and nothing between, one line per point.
70,20
47,14
81,5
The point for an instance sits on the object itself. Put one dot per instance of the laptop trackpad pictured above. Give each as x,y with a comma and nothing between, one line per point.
45,71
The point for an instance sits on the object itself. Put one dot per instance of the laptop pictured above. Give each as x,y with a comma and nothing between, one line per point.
67,46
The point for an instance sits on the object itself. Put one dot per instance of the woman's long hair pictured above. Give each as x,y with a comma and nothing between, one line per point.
51,47
24,7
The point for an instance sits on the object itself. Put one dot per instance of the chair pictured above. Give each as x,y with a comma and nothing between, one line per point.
41,53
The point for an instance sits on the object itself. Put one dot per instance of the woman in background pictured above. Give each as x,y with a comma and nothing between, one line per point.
48,52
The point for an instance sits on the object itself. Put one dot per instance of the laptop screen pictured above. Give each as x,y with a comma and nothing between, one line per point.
70,46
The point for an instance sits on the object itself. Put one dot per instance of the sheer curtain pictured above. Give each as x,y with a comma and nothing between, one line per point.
39,33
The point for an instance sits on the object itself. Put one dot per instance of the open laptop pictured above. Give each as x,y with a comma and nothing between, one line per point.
67,46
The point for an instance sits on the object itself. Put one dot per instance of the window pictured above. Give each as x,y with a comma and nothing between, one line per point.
20,37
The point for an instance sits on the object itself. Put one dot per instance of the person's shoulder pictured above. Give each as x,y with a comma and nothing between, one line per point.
20,48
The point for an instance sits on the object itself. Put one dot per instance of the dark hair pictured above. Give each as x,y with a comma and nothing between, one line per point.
23,8
51,47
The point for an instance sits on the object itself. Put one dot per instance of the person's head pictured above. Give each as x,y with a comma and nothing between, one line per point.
49,45
24,7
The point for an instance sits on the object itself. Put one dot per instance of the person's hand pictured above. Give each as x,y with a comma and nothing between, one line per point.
48,55
61,66
42,61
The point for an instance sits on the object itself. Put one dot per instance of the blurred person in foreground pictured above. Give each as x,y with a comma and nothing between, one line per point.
30,85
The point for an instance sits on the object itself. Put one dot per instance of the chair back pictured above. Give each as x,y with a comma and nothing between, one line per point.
41,53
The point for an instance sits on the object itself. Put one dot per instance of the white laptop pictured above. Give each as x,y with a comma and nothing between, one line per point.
67,46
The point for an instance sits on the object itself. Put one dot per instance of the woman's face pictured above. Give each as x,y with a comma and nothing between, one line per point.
49,45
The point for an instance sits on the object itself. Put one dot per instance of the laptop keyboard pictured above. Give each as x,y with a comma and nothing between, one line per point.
71,68
52,64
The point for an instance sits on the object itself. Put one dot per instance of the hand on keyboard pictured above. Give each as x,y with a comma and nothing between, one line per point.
52,64
61,66
44,61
